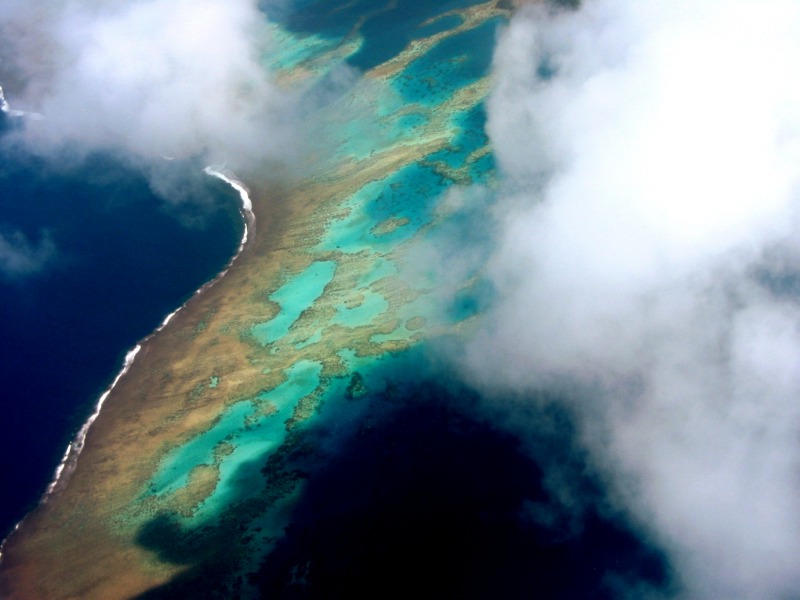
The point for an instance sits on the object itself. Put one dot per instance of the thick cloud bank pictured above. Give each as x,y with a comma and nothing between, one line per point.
146,78
648,266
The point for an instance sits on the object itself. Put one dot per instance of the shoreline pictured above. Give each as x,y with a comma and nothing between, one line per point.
69,461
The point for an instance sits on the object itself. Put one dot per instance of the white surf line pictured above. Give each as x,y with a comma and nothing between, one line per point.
244,195
70,460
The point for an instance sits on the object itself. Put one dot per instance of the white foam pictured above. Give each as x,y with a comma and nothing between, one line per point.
244,195
70,460
168,318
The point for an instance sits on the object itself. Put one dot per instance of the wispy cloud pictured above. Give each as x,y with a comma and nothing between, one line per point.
647,265
19,257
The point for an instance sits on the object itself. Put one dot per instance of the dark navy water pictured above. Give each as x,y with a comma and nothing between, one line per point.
428,499
121,258
414,490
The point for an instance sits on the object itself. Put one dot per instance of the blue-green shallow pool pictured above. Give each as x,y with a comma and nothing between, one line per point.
455,62
470,137
250,437
295,296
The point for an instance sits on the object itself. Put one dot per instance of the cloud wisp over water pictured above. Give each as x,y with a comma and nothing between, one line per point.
19,257
148,79
647,266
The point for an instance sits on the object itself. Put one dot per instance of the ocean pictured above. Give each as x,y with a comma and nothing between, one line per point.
116,259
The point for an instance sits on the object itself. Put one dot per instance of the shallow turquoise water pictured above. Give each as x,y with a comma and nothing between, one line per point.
387,27
438,26
312,339
373,305
173,473
471,136
348,235
293,297
454,62
250,435
410,193
483,168
380,269
241,470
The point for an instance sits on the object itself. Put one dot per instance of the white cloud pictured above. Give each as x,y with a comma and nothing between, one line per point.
149,78
651,159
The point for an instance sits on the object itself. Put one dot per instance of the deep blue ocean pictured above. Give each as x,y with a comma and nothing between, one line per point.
115,260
